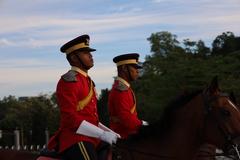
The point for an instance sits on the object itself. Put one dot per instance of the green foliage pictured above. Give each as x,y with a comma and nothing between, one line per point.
31,115
225,43
163,43
179,70
102,107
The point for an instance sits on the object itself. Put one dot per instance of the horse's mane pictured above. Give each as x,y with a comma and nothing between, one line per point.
165,123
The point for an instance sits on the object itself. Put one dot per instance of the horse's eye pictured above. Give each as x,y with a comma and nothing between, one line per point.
225,112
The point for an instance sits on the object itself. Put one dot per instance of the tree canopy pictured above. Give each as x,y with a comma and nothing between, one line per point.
172,70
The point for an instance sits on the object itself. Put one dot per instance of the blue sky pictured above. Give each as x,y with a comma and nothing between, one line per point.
32,31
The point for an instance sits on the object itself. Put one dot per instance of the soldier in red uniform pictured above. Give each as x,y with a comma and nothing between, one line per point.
121,101
80,131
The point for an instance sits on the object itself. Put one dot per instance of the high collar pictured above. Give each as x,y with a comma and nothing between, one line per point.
123,81
79,71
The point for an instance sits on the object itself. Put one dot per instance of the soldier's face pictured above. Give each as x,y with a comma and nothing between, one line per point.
86,58
134,72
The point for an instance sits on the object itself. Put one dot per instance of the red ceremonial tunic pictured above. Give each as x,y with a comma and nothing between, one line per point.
73,88
122,109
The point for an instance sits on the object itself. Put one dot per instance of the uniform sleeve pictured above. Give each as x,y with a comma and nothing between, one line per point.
127,119
67,100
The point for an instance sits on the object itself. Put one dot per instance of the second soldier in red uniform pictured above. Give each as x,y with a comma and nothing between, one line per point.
122,101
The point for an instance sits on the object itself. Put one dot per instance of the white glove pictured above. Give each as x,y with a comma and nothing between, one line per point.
109,137
145,123
88,129
91,130
105,128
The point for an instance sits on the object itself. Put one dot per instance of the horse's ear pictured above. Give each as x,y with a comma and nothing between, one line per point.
213,87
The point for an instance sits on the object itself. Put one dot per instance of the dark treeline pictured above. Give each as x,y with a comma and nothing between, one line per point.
174,68
31,116
171,69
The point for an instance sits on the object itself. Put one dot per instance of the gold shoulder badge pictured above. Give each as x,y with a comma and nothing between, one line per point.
70,76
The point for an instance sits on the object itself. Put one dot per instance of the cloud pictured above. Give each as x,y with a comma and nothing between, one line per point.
41,29
113,22
65,27
37,37
23,63
159,1
30,75
103,72
5,42
37,80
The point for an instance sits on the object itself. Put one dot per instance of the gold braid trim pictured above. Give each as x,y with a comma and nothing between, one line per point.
134,106
76,47
82,103
128,61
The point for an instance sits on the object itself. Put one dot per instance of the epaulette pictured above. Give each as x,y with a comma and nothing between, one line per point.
70,76
121,86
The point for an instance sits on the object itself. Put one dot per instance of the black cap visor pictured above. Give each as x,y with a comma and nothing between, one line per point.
137,66
86,49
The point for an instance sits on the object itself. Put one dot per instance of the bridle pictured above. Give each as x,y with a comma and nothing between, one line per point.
228,137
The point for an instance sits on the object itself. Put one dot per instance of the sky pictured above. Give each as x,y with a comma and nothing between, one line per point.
32,31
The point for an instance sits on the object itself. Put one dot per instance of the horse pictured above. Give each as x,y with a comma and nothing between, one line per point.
7,154
208,151
205,116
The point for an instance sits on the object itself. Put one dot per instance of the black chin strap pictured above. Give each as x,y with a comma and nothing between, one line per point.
129,74
81,62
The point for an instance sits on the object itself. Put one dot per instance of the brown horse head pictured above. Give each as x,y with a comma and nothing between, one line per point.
222,118
208,151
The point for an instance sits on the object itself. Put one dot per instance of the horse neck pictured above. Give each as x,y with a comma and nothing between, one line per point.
183,140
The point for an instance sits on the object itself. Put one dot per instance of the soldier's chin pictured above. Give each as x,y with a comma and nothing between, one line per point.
90,66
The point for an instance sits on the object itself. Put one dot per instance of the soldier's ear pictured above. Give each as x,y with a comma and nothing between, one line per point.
124,68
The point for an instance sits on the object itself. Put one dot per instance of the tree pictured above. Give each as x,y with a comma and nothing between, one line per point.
202,50
196,48
32,115
102,107
162,43
180,70
225,43
190,46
